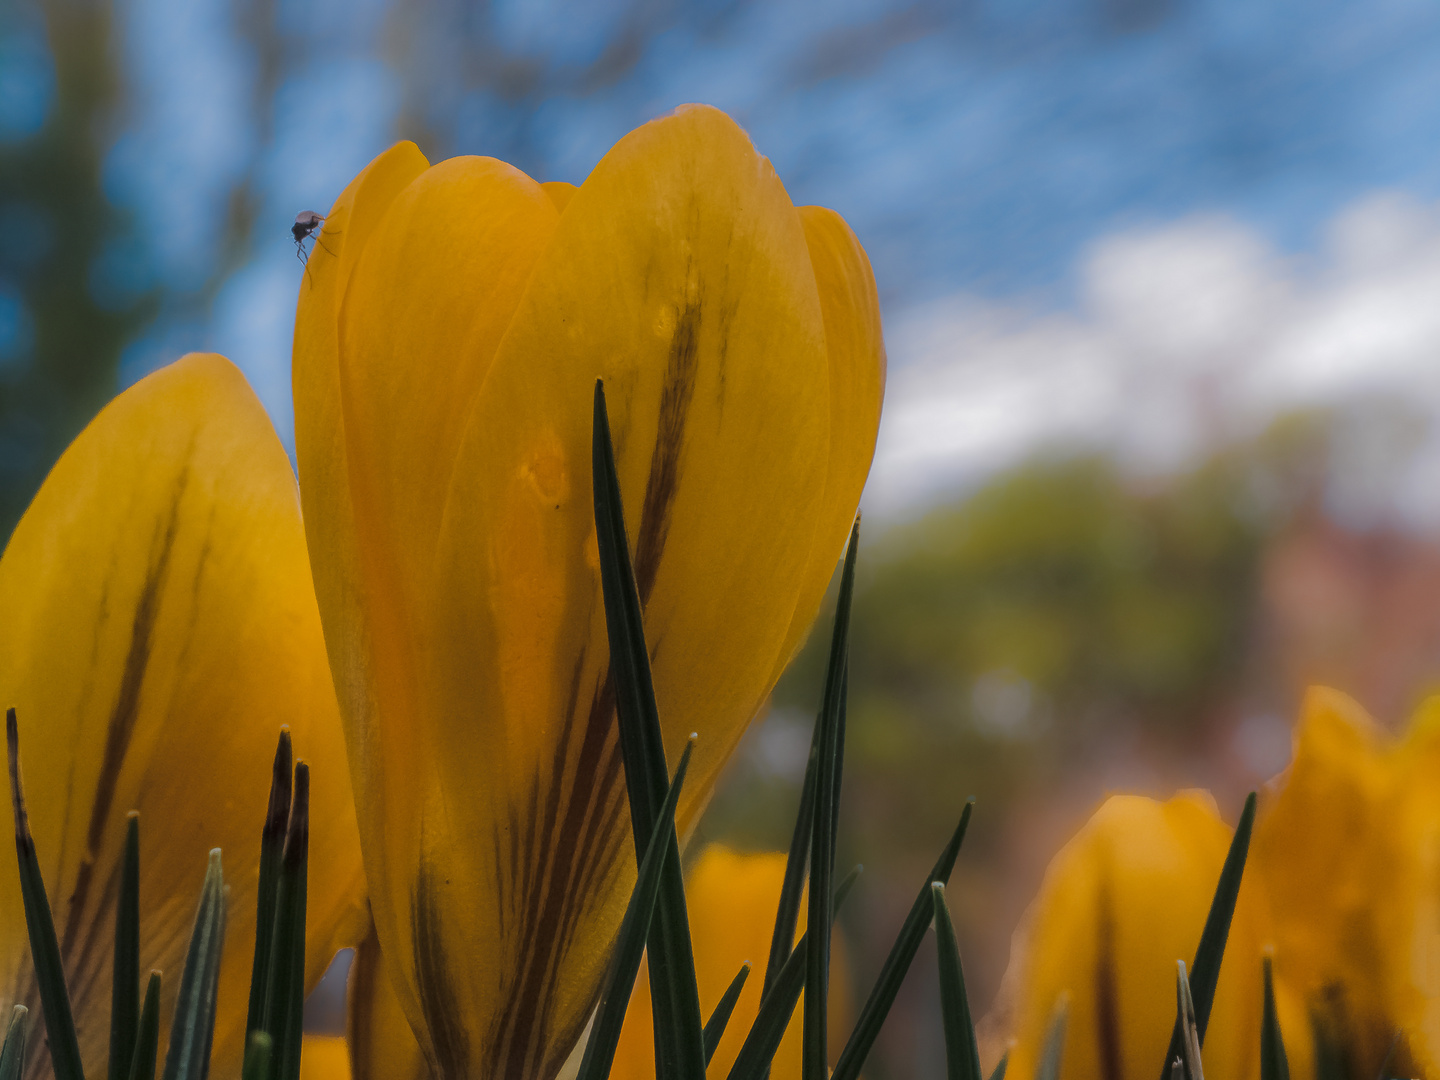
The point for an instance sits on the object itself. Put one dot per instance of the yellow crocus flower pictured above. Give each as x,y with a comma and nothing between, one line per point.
1120,904
449,334
1325,846
159,627
732,899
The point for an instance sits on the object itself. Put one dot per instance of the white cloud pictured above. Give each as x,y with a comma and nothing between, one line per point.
1184,337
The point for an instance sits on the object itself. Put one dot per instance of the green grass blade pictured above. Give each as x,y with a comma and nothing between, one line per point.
285,983
907,944
272,850
634,930
787,912
675,997
998,1073
44,948
822,835
1054,1052
1273,1063
147,1038
1185,1018
125,991
258,1054
962,1053
1205,972
720,1018
193,1029
12,1054
776,1008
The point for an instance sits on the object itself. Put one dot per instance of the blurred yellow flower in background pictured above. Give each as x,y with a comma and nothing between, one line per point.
732,899
159,628
449,334
1119,904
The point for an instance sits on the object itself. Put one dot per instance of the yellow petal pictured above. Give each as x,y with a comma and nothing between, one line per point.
732,899
856,348
679,272
159,627
559,192
1406,890
1323,847
320,451
382,1046
1120,904
324,1057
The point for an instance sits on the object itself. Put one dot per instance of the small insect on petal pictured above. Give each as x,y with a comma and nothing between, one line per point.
307,224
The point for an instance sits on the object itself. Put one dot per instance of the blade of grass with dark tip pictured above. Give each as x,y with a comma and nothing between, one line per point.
285,990
787,912
1185,1017
125,993
193,1029
720,1018
1273,1063
962,1053
44,948
147,1039
902,953
630,944
1054,1052
998,1073
12,1054
1205,971
272,850
674,994
822,835
258,1053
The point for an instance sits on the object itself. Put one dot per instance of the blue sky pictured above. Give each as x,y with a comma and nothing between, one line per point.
979,147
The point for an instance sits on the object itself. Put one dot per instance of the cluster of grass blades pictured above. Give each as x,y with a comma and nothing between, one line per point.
655,925
277,992
656,916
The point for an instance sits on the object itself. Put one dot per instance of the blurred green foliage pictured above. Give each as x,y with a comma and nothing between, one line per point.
56,223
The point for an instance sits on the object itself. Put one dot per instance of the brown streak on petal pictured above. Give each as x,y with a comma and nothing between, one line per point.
437,993
664,477
124,714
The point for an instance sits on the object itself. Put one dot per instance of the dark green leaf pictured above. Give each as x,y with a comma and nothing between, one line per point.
720,1018
777,1006
998,1073
675,997
907,943
272,850
125,992
630,944
1205,972
1273,1064
285,984
193,1029
822,835
787,912
147,1039
962,1053
12,1054
44,948
1054,1051
1185,1019
258,1053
